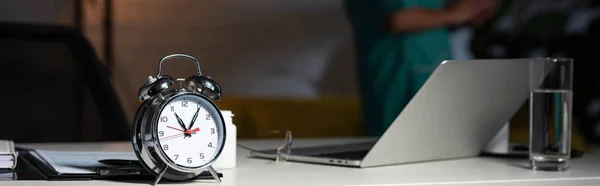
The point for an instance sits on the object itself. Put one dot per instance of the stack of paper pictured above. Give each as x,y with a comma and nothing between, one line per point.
8,156
7,175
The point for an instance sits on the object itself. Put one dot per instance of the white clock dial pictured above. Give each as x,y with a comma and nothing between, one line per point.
184,145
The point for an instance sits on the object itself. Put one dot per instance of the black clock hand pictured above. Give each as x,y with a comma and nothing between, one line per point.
194,119
181,124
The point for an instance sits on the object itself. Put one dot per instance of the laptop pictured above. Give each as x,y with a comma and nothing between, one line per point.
455,114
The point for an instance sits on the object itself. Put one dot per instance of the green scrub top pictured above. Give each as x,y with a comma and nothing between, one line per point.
392,67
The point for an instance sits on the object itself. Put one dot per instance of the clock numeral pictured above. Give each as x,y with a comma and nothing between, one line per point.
201,155
189,160
176,156
212,130
166,147
208,116
172,108
184,103
164,119
210,144
161,133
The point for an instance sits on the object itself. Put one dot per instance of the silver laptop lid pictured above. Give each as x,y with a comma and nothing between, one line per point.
456,112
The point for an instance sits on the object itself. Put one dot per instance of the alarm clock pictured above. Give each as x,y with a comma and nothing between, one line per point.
178,132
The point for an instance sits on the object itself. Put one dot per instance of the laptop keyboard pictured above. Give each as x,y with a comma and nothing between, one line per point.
350,151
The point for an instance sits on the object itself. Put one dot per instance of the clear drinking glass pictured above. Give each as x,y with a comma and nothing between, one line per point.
551,83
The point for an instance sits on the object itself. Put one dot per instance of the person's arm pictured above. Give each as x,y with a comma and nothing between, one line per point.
416,19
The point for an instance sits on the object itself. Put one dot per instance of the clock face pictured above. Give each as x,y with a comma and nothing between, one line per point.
187,132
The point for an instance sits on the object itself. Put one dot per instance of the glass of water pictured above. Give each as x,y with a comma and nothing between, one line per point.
551,91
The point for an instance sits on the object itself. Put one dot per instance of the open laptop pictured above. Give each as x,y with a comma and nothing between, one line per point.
458,110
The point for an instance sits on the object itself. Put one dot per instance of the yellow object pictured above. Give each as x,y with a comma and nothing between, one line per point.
306,118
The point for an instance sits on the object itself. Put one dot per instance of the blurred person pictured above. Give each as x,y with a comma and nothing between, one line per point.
399,43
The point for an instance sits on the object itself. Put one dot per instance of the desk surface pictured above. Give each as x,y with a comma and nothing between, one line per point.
251,171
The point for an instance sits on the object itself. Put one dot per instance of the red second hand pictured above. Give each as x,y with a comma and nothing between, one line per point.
175,129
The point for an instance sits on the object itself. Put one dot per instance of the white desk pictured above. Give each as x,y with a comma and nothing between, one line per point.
250,171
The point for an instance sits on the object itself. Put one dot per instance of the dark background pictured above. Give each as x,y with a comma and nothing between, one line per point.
73,67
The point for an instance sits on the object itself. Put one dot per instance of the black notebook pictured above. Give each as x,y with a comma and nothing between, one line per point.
84,165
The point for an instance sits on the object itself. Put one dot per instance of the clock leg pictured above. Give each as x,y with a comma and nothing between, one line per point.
214,174
160,175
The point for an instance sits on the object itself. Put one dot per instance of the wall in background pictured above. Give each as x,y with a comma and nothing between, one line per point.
38,11
261,48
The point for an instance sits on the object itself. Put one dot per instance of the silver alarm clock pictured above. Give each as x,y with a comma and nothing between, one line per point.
178,132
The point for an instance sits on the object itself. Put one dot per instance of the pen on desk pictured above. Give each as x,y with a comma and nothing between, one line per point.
119,162
123,167
105,171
